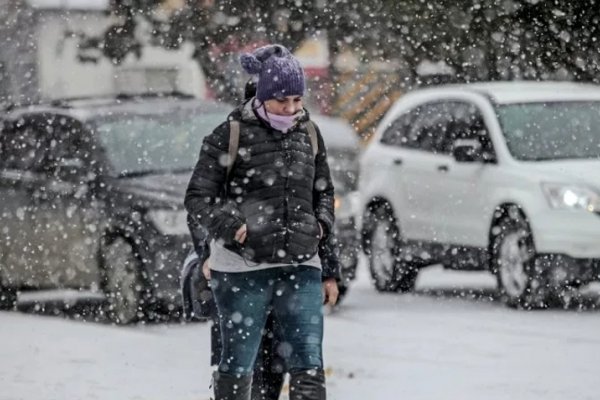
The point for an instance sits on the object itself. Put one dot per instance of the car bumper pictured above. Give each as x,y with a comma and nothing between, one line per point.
573,234
563,269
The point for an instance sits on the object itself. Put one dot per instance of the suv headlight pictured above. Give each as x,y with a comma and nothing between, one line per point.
170,222
573,197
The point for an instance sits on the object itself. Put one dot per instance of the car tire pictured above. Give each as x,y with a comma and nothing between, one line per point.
8,297
123,282
513,258
382,244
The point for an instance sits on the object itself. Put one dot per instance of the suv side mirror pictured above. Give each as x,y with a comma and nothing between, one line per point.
467,150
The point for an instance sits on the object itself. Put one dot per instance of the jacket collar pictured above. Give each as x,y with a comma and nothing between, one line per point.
245,113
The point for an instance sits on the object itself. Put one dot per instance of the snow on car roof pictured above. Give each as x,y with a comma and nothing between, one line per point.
89,109
69,4
530,91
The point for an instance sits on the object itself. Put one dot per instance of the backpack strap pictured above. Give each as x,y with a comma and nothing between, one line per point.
314,141
234,142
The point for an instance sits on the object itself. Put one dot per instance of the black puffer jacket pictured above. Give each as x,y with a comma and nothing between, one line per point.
277,187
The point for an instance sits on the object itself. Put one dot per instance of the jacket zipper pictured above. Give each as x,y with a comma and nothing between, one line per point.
285,196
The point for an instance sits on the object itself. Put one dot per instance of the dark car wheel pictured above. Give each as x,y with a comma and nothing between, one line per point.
389,271
8,297
513,257
123,282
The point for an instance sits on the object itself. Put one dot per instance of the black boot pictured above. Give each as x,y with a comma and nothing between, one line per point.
267,385
232,387
307,385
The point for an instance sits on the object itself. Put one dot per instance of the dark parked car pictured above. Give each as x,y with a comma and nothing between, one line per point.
91,194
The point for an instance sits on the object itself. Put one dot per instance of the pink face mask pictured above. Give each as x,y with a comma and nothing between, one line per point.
281,123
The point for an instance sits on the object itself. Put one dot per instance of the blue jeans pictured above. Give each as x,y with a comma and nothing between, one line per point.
292,293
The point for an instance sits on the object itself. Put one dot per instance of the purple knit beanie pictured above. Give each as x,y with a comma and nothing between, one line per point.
279,72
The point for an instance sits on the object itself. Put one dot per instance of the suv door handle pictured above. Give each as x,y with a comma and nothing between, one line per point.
398,161
442,168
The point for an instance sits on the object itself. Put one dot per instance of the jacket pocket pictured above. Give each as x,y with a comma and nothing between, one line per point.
255,243
313,238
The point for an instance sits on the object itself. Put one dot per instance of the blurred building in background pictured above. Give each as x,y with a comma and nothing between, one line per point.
313,54
52,49
342,86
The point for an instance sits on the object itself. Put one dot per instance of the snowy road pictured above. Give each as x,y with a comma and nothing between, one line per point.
422,346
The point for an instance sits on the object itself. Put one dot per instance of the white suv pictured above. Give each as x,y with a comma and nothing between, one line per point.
502,177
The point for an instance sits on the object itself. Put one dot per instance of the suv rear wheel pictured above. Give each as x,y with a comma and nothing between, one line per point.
123,282
8,296
381,241
514,262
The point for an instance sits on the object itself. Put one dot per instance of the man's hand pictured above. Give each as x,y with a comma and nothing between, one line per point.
206,270
330,291
240,235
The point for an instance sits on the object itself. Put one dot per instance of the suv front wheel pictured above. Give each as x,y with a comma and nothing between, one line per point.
382,244
123,282
513,257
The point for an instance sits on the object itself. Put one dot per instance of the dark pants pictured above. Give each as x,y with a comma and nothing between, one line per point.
244,301
269,368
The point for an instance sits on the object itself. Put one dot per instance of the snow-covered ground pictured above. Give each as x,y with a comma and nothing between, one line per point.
427,345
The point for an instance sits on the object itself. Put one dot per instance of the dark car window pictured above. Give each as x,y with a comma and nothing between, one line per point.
429,129
22,146
137,143
69,146
396,133
466,123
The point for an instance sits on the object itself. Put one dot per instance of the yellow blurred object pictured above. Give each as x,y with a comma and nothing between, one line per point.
337,202
174,5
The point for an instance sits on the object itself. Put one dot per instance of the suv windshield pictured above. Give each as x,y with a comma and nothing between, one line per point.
553,130
138,144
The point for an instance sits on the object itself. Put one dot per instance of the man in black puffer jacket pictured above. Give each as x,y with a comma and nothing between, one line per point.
267,212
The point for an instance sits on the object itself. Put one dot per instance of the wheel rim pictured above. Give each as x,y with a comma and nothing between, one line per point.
122,286
382,257
513,257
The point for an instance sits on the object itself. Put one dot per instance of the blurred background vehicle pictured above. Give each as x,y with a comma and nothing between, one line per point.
92,195
343,148
496,176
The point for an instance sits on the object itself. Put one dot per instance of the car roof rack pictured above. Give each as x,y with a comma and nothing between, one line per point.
9,106
173,93
67,101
